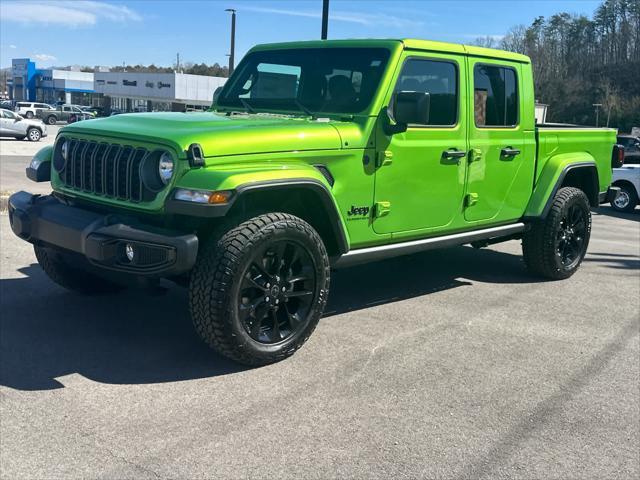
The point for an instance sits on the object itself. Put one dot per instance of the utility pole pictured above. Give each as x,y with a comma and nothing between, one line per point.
178,62
597,107
233,40
325,19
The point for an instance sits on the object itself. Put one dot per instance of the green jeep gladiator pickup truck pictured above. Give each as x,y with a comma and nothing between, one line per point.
315,155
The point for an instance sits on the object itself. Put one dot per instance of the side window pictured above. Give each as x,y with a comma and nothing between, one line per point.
437,78
66,109
495,96
7,114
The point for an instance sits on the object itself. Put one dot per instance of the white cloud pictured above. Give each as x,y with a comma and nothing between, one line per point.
366,19
12,46
44,57
65,12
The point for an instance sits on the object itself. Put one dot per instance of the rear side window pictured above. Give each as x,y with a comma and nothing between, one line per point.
440,81
495,96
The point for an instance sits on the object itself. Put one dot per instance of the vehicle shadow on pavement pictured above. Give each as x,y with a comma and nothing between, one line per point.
138,338
127,338
610,212
420,274
614,260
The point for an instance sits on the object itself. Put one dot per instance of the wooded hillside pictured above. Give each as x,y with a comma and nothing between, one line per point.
580,61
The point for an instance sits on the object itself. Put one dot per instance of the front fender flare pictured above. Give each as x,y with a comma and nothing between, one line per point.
273,177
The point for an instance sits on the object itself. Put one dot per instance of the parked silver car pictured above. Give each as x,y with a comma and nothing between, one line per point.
13,125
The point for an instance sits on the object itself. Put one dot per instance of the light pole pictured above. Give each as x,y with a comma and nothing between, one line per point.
233,39
597,107
325,19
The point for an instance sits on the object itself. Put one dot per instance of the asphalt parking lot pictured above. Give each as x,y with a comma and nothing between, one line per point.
447,364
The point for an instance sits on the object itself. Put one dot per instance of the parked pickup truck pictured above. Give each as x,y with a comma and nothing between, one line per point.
316,155
63,113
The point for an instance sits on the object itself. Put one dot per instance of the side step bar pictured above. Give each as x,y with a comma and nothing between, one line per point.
363,255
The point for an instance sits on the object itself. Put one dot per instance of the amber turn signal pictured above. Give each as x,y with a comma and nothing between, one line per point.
222,196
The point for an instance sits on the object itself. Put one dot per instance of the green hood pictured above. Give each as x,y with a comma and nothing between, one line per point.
218,134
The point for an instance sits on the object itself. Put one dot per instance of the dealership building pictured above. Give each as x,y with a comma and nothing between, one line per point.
134,92
123,91
50,85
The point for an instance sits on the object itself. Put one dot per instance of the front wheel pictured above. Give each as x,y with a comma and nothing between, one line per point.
626,200
34,135
554,248
257,292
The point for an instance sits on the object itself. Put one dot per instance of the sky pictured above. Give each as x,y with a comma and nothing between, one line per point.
79,32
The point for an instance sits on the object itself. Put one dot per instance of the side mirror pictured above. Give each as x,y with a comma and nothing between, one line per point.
216,94
409,108
18,118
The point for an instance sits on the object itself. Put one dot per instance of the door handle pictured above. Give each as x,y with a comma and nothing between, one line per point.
509,152
452,153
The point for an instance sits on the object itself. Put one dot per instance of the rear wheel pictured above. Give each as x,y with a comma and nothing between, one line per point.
51,120
258,291
626,200
34,135
64,271
555,247
29,115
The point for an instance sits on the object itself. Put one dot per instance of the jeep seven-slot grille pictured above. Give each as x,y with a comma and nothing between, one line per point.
106,169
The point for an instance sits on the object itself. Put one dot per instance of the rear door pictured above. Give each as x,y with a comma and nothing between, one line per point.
496,141
420,173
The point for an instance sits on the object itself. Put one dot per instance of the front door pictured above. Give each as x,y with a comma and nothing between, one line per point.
420,173
497,143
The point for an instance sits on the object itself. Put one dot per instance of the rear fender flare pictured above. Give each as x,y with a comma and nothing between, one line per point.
552,177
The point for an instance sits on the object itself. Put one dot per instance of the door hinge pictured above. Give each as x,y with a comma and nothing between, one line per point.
384,158
382,209
470,199
476,155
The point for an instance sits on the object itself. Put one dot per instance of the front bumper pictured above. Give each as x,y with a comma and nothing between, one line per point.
609,196
102,239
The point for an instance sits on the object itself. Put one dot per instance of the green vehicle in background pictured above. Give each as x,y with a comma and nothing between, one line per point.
316,155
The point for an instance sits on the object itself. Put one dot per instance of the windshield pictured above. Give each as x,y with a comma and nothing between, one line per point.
310,80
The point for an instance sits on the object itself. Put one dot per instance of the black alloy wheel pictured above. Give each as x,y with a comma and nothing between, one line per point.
259,289
555,245
571,236
277,292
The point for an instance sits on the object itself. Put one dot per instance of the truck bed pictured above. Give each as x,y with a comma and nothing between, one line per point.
557,139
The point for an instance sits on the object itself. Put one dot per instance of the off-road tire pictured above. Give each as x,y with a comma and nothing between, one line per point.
632,197
34,134
51,120
62,271
216,280
539,244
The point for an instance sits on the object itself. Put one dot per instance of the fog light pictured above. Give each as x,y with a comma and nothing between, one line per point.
128,249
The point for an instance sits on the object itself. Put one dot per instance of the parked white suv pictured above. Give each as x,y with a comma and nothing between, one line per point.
30,109
628,179
13,125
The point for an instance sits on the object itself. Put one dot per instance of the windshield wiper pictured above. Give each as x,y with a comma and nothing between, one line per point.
303,108
246,105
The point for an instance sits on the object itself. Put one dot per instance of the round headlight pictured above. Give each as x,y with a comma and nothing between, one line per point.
64,149
165,167
60,155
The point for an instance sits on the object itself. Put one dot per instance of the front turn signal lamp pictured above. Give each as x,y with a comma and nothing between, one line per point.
219,197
